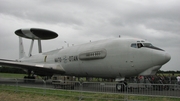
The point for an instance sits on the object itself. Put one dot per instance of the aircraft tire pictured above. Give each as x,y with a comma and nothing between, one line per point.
121,86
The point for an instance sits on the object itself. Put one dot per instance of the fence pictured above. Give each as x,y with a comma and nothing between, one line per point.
94,90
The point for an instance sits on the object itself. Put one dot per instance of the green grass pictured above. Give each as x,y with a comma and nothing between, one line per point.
36,94
13,93
9,75
21,96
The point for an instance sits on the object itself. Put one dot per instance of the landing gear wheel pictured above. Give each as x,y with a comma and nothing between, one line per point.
121,86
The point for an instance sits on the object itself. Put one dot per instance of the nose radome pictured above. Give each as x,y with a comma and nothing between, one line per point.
160,57
167,57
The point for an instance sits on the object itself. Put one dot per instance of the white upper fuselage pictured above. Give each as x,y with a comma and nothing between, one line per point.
106,58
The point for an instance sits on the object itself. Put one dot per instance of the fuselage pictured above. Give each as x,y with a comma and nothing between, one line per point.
110,58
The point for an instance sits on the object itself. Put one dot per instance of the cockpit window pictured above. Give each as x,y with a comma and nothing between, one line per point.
147,44
139,45
133,45
136,45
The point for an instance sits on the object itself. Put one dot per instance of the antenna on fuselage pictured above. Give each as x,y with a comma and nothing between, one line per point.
36,34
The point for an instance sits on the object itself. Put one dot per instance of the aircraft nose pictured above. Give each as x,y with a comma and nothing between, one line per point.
160,58
167,57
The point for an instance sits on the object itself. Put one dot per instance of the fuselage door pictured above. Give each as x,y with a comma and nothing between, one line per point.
45,58
133,51
135,54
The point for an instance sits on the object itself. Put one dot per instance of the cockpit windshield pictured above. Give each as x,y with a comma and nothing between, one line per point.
147,45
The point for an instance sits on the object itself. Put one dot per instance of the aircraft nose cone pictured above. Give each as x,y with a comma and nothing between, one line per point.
167,57
160,58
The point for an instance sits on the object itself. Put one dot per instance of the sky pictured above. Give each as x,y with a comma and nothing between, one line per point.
79,21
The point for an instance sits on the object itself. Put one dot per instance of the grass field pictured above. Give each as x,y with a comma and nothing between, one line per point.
20,96
12,93
10,75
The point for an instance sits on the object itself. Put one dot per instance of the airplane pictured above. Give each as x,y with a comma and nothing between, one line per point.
109,58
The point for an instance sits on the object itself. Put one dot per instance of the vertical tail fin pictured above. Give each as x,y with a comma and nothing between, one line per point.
21,49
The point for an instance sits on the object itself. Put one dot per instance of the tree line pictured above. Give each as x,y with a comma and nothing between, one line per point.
170,71
4,69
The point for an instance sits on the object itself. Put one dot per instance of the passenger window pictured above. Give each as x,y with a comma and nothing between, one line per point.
133,45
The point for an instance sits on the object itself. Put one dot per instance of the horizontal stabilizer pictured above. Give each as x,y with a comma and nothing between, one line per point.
36,33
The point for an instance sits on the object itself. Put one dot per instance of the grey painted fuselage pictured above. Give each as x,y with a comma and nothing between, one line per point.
110,58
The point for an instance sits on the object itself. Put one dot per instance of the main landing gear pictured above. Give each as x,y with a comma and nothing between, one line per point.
30,78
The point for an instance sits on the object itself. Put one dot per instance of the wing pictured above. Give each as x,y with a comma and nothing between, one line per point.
37,68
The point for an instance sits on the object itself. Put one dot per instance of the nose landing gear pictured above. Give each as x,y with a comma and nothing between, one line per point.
121,86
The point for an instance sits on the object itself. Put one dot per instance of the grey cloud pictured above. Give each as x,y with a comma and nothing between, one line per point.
37,12
159,16
156,21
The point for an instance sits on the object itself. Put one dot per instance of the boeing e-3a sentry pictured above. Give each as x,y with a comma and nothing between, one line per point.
110,58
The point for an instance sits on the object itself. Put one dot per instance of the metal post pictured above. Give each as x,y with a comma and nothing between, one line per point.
16,85
81,90
127,92
30,50
39,46
44,93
